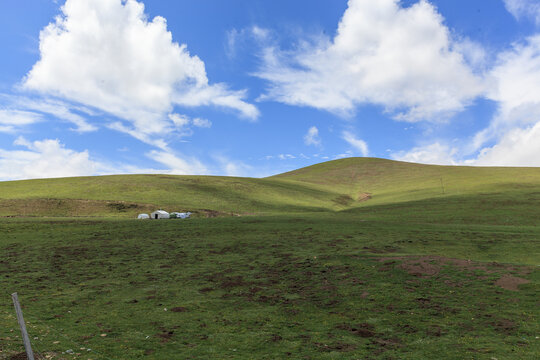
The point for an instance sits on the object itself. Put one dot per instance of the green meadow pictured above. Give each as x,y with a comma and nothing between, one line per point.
349,259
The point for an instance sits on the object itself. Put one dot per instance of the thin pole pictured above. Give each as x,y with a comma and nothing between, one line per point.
442,186
26,340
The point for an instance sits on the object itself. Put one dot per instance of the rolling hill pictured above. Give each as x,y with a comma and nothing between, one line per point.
350,184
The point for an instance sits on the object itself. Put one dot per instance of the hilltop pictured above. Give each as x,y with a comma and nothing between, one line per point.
339,185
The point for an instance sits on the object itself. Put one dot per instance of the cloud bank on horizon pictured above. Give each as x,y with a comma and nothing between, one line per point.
113,90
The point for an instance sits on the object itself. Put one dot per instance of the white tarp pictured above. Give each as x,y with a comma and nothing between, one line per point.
179,215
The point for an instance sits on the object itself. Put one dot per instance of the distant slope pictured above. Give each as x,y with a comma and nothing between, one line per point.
346,184
125,195
388,181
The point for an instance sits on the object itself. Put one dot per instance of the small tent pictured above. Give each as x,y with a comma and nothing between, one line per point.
159,214
143,216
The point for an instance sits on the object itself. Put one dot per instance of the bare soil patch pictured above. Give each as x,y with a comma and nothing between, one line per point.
364,330
364,196
505,326
510,282
428,266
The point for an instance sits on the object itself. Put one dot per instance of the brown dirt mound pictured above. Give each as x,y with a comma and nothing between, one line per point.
510,282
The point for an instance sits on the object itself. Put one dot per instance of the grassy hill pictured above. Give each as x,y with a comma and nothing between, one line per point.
387,181
346,184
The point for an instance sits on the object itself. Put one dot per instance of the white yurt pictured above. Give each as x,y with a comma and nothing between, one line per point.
159,214
143,216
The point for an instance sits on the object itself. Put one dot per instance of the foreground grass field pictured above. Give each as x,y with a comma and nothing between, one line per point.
300,286
354,259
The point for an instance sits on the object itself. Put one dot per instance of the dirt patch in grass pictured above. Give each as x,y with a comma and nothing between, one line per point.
179,309
343,200
510,282
364,196
421,267
383,250
338,346
364,330
165,335
505,326
428,266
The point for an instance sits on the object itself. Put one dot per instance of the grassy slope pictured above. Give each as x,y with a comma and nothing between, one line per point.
392,181
334,185
103,195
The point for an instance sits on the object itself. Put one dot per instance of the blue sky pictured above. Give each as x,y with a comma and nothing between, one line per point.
256,87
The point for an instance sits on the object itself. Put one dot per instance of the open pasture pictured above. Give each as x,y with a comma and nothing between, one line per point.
302,286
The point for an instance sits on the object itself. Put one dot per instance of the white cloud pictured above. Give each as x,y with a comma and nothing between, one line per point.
230,167
436,154
286,157
516,80
141,136
107,54
519,147
51,159
359,144
202,123
11,120
474,54
524,8
179,120
45,159
56,108
516,88
177,165
401,58
346,154
312,137
513,136
182,121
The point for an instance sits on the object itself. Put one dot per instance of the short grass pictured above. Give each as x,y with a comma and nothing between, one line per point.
305,286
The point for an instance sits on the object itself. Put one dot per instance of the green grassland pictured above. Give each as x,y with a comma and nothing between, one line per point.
332,186
350,259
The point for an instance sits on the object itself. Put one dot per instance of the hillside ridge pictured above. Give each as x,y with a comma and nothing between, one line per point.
335,185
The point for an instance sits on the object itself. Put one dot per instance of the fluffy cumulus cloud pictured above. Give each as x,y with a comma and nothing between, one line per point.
512,137
403,59
524,9
107,54
45,159
312,137
516,89
435,154
358,144
518,147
